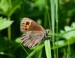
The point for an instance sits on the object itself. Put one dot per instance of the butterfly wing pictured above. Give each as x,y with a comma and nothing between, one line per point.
33,33
32,38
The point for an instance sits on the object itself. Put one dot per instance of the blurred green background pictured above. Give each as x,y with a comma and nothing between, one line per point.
58,16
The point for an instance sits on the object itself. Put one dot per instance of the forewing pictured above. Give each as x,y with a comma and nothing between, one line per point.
32,38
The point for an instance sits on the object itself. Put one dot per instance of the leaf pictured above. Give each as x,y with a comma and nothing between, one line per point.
67,28
4,23
68,35
8,7
63,43
4,5
69,32
73,25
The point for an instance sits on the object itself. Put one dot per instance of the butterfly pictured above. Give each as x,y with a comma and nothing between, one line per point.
33,33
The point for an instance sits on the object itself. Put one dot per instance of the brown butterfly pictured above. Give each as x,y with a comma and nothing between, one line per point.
33,33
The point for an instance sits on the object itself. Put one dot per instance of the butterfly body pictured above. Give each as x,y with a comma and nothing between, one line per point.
33,33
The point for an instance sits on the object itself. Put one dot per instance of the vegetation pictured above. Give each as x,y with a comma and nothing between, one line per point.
57,16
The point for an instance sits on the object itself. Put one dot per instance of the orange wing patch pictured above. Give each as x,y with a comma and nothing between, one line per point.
27,25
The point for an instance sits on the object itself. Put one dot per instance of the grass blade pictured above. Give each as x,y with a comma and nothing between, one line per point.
48,48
